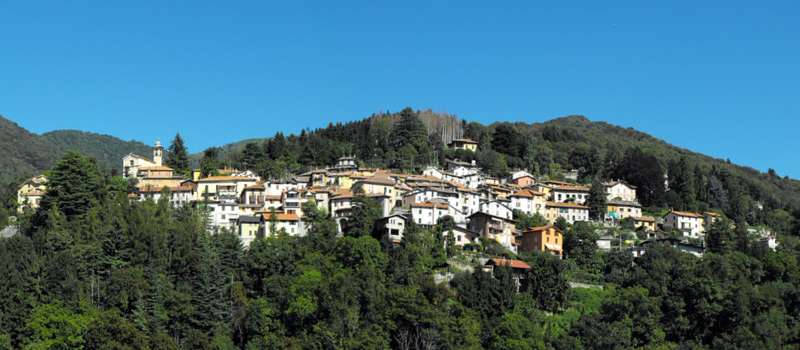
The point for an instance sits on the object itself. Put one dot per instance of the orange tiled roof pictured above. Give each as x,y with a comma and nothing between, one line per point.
540,228
513,263
683,213
282,216
526,193
155,167
429,205
644,218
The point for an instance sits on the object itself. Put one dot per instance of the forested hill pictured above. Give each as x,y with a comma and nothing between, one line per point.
409,140
26,154
107,149
23,152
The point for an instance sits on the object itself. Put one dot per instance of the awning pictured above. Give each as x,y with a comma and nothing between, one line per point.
552,247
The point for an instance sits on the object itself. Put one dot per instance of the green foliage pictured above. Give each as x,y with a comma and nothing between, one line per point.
580,245
209,165
74,186
110,331
177,156
53,326
597,200
525,221
363,217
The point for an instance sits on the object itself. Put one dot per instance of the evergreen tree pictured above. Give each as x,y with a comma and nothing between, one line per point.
597,200
363,217
209,164
410,131
74,186
208,295
178,156
681,178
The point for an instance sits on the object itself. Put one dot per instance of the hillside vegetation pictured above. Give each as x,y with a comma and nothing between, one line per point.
407,142
26,154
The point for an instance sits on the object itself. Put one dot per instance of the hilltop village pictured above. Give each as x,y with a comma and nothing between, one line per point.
480,206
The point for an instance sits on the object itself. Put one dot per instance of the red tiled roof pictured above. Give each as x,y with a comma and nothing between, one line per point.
644,218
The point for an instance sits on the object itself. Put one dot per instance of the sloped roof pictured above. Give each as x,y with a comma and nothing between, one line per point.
225,178
517,264
566,205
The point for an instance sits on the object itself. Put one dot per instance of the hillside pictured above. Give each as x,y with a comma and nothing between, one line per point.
24,153
108,150
409,140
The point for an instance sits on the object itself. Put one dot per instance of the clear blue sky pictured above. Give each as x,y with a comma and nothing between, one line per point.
720,78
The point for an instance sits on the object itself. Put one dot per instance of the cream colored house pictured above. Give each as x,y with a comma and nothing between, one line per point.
620,190
219,187
529,202
691,224
31,192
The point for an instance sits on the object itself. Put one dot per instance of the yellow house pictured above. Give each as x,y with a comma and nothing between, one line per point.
646,221
249,228
344,179
157,176
623,209
465,144
31,192
223,186
543,238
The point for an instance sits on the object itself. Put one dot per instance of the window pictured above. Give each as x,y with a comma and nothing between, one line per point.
420,220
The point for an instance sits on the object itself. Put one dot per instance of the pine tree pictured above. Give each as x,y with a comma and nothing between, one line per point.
208,295
597,200
209,164
74,186
177,155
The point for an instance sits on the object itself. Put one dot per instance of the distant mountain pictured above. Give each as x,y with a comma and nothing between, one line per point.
108,150
225,150
27,154
23,152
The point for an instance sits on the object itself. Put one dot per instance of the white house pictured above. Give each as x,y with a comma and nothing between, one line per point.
570,193
428,213
569,211
497,208
690,224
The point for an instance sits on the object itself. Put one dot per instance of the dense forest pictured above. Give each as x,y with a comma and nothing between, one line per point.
92,270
